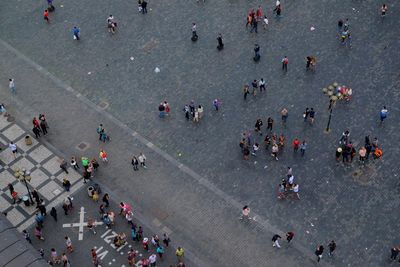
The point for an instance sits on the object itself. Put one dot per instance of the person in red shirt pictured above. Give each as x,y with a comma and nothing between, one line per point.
285,62
296,144
259,13
46,16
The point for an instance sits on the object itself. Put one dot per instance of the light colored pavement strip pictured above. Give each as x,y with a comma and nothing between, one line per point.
262,222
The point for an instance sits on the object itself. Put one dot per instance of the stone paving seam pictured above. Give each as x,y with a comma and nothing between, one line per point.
140,138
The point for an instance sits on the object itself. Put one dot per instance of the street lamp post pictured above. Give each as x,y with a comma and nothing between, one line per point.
329,120
26,185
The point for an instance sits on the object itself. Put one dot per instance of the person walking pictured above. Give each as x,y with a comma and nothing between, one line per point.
285,62
160,251
258,126
289,236
46,16
166,240
261,84
220,42
394,252
296,144
319,251
306,114
254,25
39,218
76,33
27,236
245,91
65,260
254,85
332,247
103,155
64,166
284,115
38,232
54,256
303,147
312,115
180,253
53,213
257,55
74,163
265,24
135,163
383,114
384,9
216,103
11,85
43,126
142,160
275,241
13,148
68,244
270,123
275,150
144,7
194,32
106,199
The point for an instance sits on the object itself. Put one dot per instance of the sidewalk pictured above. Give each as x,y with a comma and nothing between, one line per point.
169,195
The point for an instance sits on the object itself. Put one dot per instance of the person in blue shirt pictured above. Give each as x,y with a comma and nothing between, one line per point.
76,33
383,114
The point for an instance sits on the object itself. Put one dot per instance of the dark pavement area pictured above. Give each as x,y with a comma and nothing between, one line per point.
354,206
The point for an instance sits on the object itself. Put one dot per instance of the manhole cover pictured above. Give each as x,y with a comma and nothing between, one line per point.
103,105
10,119
150,45
82,146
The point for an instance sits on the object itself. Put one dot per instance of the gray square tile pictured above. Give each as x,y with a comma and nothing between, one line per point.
15,217
40,153
23,147
3,122
4,204
22,163
7,157
53,165
38,177
13,132
72,176
31,209
5,178
20,188
50,190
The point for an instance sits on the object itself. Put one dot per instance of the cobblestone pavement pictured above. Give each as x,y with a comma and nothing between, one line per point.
198,195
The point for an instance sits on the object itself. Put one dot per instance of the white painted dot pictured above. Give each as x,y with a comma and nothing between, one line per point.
89,73
113,260
109,263
140,255
121,253
129,246
132,58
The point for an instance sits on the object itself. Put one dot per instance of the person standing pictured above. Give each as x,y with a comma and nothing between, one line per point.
144,7
64,165
46,16
220,42
53,213
296,189
383,114
289,236
275,241
270,123
65,260
258,126
142,160
312,115
254,25
43,126
285,62
306,114
216,104
254,85
319,251
11,85
13,148
284,115
296,145
275,150
68,244
153,260
265,22
394,252
74,163
38,232
332,247
76,33
261,84
303,147
166,239
103,155
384,9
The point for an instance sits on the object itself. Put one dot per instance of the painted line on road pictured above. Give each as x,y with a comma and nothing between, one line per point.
201,180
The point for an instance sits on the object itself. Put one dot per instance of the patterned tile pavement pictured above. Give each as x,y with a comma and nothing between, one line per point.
44,167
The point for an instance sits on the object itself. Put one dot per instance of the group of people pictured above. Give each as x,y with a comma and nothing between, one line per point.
288,186
193,112
346,150
40,126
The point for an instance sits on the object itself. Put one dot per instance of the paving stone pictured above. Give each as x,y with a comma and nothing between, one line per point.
7,157
38,177
13,132
22,163
5,178
72,176
22,146
53,165
20,188
31,209
48,190
4,204
3,122
40,153
15,217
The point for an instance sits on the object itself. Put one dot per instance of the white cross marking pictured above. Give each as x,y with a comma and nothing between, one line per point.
81,223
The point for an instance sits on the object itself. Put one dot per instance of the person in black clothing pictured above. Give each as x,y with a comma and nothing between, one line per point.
319,251
106,198
144,7
42,208
64,166
220,43
332,247
36,131
257,55
35,195
135,163
66,184
53,213
44,127
289,236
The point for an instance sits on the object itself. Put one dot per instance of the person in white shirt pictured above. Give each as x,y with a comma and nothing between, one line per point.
261,84
13,148
296,190
11,85
153,259
200,110
265,22
142,160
